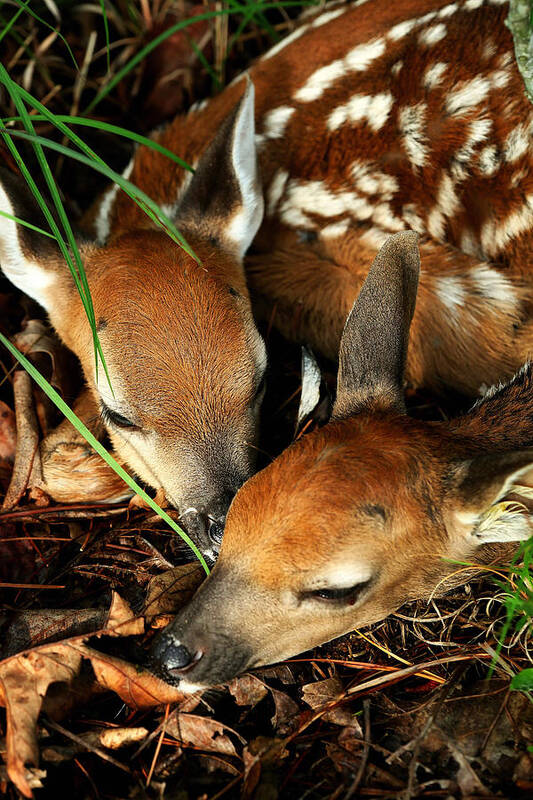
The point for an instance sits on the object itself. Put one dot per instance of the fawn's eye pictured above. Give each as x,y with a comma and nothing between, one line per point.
118,420
345,596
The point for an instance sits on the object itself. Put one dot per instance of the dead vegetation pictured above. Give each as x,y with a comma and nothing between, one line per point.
409,708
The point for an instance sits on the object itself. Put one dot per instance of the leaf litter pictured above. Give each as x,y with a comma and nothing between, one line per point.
406,711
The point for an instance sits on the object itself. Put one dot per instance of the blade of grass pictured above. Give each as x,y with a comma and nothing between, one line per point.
98,447
27,224
50,27
14,18
106,31
143,200
55,119
54,192
138,57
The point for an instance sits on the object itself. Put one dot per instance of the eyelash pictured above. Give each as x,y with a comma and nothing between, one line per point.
112,418
348,595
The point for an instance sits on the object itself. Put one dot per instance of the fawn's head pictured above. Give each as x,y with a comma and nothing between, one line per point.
362,515
185,360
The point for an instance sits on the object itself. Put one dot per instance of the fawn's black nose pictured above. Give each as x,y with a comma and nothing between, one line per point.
172,656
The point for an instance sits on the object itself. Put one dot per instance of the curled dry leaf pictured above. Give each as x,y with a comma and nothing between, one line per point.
285,719
26,676
201,732
137,687
168,592
247,690
121,620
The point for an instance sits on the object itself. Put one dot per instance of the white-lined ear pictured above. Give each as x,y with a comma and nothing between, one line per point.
493,498
245,224
224,199
24,253
311,380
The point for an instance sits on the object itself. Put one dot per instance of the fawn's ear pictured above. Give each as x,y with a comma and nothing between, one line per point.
373,346
29,259
492,498
224,199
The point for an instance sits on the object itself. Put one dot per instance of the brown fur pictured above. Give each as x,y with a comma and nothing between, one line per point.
312,285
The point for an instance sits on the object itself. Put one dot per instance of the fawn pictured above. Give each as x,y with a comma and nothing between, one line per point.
364,514
407,115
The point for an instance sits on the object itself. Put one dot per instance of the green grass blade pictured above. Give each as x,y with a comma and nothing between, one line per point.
106,30
143,200
98,447
16,15
54,192
59,121
27,224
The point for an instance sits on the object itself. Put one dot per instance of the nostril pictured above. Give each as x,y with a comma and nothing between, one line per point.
215,530
177,657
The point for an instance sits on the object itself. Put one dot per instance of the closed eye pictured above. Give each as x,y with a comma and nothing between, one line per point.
345,596
111,417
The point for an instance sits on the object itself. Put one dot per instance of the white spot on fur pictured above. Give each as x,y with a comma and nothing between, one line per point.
434,74
492,285
432,35
471,5
470,244
276,189
451,293
470,94
517,143
396,67
401,29
496,234
342,576
374,109
412,121
320,80
427,18
448,10
357,60
372,181
335,229
489,160
462,159
275,121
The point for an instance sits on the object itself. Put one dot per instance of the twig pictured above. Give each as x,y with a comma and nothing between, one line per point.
366,749
27,440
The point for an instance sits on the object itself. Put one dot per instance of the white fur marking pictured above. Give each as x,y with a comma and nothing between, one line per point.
451,292
275,121
284,42
432,35
374,109
335,229
275,190
493,285
434,74
489,160
412,127
401,29
470,94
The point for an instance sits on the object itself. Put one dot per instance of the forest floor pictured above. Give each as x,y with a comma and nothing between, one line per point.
418,705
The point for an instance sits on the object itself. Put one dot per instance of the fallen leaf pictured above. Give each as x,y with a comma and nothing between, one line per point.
33,628
201,732
247,690
170,590
285,719
121,620
320,694
137,687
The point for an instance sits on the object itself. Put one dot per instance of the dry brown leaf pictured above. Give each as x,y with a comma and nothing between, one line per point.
323,693
24,680
121,620
201,732
32,628
137,687
285,719
247,690
8,433
168,592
